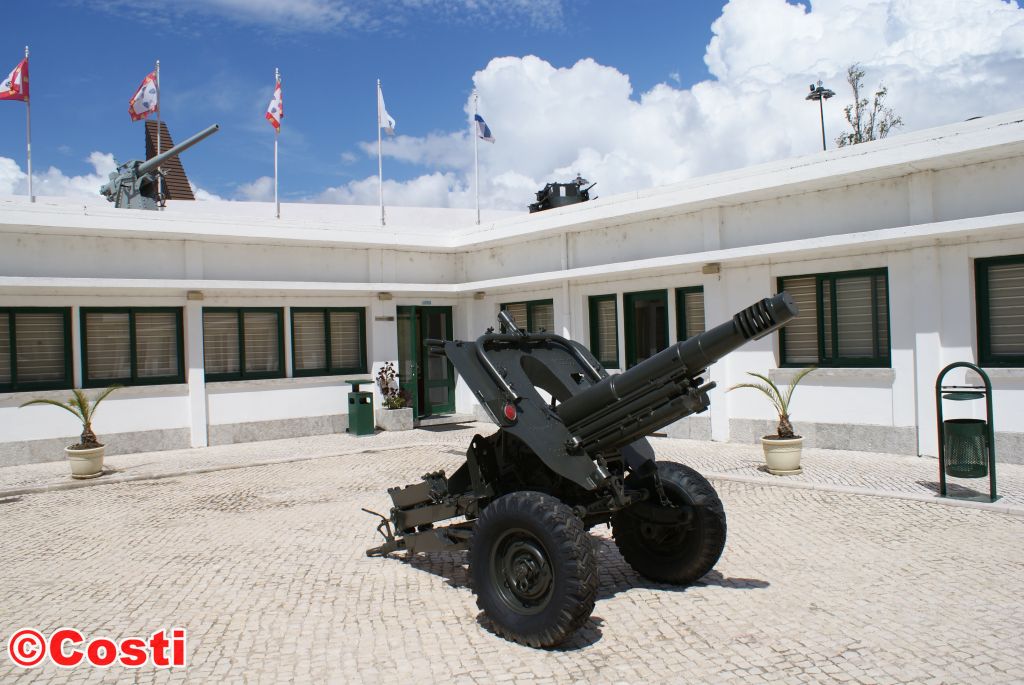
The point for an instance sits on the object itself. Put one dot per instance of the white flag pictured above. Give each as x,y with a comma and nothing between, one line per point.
384,120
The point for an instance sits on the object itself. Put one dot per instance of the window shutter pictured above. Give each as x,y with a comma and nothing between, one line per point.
882,315
346,341
310,341
543,318
517,311
693,307
854,317
156,345
1006,309
262,353
40,346
5,348
108,346
606,342
801,334
220,342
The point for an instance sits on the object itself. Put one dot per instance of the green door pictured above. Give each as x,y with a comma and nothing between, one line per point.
646,319
428,380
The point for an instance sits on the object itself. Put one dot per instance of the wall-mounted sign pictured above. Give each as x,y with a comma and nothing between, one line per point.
425,302
383,318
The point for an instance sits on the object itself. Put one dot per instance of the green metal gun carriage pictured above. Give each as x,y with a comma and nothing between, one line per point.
570,453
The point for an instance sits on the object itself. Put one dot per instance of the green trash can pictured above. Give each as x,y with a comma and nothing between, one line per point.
360,409
966,453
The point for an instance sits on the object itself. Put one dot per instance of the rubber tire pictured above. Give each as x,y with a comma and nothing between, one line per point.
570,555
700,549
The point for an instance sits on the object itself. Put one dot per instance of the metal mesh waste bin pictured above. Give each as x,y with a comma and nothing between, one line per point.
965,448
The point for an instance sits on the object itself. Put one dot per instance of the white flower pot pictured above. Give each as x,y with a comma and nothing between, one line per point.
85,463
782,455
395,419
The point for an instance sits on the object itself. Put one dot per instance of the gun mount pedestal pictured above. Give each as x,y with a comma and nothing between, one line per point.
571,452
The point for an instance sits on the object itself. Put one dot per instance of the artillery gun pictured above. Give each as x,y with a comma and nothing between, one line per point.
136,183
570,452
561,194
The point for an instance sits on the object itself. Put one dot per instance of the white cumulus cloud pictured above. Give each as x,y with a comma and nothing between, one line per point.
942,62
53,181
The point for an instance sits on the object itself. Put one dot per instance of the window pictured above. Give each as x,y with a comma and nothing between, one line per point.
242,343
328,341
136,346
536,315
604,330
999,285
646,325
35,349
689,312
843,321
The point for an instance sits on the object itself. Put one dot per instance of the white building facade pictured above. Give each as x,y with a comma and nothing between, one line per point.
226,325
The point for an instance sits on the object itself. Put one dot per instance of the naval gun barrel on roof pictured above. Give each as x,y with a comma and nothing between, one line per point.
135,183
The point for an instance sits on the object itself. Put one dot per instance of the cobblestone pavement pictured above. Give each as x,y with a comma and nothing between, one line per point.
265,567
832,468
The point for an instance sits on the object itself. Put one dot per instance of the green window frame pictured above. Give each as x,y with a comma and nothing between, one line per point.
630,301
837,302
999,293
605,350
11,378
690,320
243,372
330,352
533,313
135,375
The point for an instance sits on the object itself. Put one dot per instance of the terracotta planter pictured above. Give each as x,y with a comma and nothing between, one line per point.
85,463
395,419
782,455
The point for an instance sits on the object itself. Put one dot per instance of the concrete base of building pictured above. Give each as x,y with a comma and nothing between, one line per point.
690,428
832,436
52,449
254,431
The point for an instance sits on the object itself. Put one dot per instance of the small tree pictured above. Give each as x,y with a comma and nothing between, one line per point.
780,399
868,122
392,394
79,405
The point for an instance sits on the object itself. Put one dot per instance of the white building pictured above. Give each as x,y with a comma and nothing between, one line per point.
228,325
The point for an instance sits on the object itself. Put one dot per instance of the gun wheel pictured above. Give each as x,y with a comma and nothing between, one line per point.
673,552
533,569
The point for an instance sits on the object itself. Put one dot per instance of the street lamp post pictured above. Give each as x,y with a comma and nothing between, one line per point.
820,93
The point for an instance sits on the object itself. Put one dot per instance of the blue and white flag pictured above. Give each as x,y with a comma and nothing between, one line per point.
483,131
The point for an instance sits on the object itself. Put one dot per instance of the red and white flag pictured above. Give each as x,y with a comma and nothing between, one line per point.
275,110
146,99
15,86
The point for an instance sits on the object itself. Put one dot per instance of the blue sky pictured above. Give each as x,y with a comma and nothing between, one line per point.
88,57
664,91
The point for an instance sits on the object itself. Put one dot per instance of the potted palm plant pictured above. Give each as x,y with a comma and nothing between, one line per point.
782,451
85,457
396,415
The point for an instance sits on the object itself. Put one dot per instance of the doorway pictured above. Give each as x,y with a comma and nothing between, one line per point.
428,381
646,325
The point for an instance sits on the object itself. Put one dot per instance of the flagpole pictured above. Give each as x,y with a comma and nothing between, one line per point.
476,153
380,157
159,171
28,135
277,134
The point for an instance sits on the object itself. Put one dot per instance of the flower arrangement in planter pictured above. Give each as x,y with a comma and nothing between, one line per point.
396,415
85,457
782,451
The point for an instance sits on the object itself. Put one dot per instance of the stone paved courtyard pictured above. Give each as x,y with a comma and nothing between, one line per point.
265,567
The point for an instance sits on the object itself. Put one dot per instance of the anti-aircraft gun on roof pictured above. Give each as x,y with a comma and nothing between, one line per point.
571,452
135,183
561,194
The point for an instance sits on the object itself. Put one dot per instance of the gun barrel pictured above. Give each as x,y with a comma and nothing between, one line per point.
153,162
685,359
